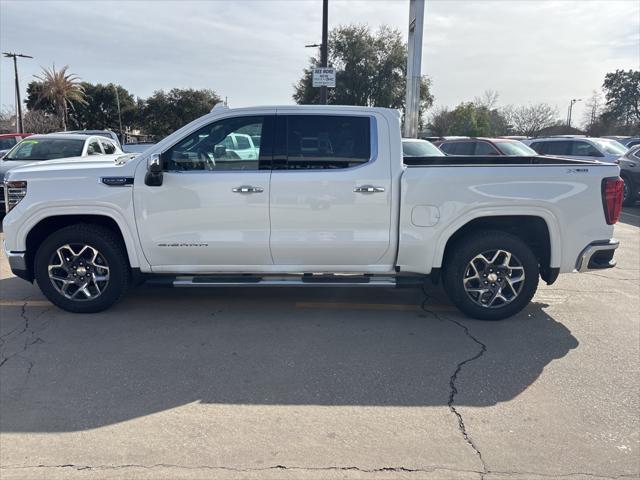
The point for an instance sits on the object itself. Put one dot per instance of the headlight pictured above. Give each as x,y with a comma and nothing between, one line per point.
14,191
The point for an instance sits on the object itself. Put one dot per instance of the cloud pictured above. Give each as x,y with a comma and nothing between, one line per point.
253,50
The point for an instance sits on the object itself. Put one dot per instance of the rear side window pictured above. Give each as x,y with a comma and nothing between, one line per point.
558,148
243,142
484,148
327,142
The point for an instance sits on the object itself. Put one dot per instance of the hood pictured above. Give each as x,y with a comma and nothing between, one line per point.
6,165
71,167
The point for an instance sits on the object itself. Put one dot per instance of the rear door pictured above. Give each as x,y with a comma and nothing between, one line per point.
330,193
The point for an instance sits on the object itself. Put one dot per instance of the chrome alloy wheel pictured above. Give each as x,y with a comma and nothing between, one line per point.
494,278
78,272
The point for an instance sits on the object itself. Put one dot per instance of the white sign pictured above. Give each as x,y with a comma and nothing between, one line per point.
324,77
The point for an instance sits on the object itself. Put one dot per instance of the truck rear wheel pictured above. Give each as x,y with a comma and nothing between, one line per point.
82,268
491,275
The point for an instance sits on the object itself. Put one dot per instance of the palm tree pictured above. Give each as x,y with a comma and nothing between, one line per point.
61,89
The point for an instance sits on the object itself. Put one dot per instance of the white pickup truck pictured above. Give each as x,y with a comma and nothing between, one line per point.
329,201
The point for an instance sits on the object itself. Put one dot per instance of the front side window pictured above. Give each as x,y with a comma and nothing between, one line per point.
45,149
108,147
611,147
327,141
213,147
584,149
94,148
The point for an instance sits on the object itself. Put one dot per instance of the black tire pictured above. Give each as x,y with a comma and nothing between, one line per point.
629,198
457,273
111,255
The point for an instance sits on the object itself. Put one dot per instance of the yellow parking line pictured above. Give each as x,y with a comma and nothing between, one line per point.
373,306
20,303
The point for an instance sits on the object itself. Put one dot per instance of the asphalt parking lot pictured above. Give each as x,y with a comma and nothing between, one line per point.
328,383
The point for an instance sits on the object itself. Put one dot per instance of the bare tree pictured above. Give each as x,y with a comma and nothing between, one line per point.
7,119
530,119
488,100
593,109
38,121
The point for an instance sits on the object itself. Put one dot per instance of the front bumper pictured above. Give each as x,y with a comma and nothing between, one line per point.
18,264
597,255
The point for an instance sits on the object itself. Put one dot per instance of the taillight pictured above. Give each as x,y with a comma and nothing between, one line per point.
612,192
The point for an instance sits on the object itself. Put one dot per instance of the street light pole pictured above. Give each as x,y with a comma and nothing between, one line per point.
414,66
19,122
573,100
115,87
324,47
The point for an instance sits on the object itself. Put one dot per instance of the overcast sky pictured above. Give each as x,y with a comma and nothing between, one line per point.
253,50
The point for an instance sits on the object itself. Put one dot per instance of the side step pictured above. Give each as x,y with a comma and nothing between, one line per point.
285,281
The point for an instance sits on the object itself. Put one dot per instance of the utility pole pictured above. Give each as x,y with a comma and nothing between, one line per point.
19,123
414,68
324,47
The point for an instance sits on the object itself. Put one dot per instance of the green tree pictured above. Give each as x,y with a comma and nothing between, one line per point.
101,108
622,94
61,90
165,112
370,70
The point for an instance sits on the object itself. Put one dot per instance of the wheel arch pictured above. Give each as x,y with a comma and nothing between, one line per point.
45,226
538,231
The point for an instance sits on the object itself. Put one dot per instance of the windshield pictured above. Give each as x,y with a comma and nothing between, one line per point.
420,148
45,149
610,146
515,149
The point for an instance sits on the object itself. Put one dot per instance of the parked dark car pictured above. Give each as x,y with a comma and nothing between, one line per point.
485,146
630,173
9,140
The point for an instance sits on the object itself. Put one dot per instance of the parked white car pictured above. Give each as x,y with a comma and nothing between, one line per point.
579,147
329,201
53,146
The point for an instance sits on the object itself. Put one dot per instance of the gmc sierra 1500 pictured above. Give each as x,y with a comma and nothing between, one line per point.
327,200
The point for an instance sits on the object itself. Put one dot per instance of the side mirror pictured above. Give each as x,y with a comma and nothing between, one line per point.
154,175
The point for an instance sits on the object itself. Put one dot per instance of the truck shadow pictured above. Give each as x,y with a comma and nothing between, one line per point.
162,349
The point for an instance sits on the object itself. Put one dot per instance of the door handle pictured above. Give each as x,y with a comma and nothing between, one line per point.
368,189
247,189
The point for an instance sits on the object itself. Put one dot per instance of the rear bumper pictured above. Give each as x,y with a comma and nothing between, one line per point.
597,255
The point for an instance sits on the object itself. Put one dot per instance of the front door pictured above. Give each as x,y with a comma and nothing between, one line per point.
330,193
211,212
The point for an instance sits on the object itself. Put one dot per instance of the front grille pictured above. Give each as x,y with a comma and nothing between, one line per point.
2,197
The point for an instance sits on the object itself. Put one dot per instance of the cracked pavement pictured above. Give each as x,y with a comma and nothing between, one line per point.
248,383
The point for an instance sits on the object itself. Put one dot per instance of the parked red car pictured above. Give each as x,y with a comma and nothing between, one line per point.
485,146
8,140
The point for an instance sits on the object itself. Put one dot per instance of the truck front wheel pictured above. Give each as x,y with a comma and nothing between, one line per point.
491,275
82,268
